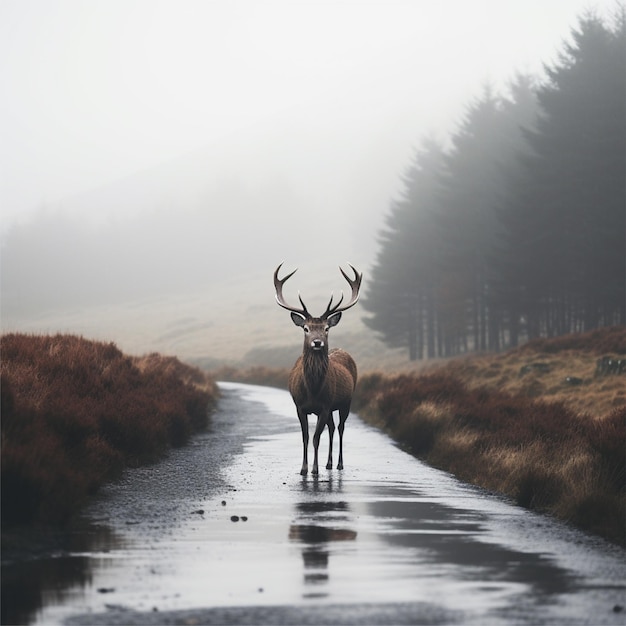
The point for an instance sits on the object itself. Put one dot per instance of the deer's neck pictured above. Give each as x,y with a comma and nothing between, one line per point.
315,366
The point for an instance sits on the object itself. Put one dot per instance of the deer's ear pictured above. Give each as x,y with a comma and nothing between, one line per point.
333,319
298,319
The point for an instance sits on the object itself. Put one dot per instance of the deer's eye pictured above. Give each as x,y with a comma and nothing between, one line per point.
327,329
306,329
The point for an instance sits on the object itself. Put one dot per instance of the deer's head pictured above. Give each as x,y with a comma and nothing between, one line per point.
316,328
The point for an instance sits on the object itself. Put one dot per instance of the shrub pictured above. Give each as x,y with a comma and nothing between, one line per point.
76,412
600,341
606,437
542,454
256,375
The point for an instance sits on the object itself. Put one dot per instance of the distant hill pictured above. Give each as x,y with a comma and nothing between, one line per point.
230,320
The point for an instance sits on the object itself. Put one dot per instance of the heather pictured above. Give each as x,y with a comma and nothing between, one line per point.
255,375
76,412
539,424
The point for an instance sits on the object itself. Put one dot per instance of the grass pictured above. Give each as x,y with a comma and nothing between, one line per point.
75,413
255,375
535,423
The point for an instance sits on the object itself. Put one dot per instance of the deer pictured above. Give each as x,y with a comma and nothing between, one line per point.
321,381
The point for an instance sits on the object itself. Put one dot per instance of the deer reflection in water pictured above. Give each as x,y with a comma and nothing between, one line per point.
318,526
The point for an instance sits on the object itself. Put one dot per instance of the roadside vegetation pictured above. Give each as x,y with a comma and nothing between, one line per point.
76,412
544,424
254,375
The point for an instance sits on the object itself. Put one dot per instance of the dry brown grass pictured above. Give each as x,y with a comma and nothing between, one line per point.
257,375
595,396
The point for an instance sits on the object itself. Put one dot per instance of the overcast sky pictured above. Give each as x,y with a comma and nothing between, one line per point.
95,90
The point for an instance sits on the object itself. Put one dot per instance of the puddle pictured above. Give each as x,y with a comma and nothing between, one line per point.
46,568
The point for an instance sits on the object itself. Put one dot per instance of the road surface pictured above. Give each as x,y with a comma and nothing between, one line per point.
227,531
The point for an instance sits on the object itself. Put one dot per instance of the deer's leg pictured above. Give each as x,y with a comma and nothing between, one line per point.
304,425
343,416
319,429
331,432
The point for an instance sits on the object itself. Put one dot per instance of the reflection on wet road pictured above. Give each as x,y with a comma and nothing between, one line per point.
388,540
64,564
319,525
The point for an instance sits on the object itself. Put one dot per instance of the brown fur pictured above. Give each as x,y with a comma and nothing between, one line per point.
322,382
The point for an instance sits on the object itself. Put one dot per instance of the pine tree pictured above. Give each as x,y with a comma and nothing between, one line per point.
570,201
401,293
509,266
487,146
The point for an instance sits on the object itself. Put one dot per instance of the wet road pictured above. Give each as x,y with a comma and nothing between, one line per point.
227,531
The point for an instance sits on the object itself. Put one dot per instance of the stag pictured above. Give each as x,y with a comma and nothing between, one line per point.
321,381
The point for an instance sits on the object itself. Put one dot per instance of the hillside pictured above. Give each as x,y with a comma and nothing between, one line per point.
564,369
232,320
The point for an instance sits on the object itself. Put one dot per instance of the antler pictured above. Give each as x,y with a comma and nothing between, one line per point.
355,285
278,286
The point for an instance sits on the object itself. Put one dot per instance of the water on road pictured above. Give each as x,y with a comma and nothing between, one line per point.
227,531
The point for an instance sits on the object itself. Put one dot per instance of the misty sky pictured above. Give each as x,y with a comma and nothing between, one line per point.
339,93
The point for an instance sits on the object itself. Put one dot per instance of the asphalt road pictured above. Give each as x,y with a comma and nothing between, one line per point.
226,531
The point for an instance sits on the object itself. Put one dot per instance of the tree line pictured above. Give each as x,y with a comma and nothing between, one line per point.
517,229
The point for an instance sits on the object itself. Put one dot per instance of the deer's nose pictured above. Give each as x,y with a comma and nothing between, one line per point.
317,344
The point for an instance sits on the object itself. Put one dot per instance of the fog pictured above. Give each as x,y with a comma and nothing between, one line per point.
181,150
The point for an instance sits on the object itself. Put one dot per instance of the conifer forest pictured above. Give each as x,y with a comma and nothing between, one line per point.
516,228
